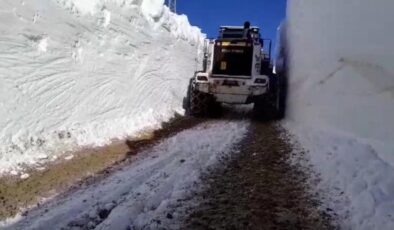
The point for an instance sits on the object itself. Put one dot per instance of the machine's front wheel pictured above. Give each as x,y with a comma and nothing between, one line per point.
199,104
196,101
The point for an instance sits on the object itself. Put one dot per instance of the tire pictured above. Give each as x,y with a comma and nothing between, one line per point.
186,100
199,104
263,109
215,109
272,106
281,97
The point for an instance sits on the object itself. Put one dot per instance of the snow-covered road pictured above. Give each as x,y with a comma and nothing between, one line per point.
138,195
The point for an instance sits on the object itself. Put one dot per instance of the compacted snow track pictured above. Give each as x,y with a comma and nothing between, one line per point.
139,194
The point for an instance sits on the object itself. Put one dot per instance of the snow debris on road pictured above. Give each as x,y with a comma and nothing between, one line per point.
146,192
81,73
25,176
341,102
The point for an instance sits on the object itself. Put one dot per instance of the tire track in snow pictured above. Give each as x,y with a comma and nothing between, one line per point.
136,194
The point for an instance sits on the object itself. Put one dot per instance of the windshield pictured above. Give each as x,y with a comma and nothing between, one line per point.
233,58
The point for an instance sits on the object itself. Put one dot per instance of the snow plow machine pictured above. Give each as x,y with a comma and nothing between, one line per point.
237,69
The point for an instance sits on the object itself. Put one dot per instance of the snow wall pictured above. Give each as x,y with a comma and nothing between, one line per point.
80,73
341,60
340,57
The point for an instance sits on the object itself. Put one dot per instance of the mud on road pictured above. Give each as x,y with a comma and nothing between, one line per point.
258,189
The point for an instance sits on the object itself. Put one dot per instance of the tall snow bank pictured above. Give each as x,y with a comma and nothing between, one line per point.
341,100
79,73
341,61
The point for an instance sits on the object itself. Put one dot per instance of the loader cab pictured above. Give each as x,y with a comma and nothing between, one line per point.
238,32
237,52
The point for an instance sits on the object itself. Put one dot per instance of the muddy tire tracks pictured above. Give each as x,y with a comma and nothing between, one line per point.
258,189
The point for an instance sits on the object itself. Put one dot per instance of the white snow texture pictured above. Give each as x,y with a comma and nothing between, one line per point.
341,101
79,73
162,180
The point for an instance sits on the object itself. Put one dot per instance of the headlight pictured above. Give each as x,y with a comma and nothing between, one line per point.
262,81
202,78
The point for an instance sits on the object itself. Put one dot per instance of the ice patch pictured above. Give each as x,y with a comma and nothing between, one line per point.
43,45
25,176
36,17
107,18
42,156
10,221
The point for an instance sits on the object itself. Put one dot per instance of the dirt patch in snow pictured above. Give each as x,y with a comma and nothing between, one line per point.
84,167
259,189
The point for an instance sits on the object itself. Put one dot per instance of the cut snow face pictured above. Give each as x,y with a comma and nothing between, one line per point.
146,189
345,81
341,100
82,73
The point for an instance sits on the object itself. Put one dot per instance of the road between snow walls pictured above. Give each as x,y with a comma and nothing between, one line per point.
230,173
62,60
79,73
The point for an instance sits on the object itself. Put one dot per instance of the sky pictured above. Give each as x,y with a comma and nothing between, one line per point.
210,14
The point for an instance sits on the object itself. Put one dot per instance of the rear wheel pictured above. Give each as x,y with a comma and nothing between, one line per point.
263,109
272,106
281,96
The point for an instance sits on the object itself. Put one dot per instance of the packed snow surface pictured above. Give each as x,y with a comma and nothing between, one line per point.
341,101
79,73
141,195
